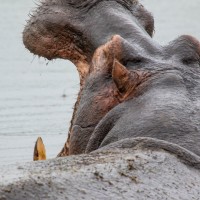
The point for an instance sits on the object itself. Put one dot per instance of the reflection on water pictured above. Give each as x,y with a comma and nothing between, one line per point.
31,102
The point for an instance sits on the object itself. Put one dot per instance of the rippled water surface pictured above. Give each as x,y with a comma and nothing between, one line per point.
32,89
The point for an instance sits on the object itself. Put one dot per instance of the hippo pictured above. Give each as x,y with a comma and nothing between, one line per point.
130,86
135,130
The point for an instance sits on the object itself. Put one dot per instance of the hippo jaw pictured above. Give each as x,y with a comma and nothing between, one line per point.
49,34
66,30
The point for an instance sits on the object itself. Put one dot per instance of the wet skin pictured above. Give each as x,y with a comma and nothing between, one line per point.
165,105
130,85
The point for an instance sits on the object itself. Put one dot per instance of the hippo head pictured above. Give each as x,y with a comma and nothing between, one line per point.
133,93
130,85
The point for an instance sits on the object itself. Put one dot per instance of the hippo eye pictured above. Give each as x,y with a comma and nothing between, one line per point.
189,61
132,62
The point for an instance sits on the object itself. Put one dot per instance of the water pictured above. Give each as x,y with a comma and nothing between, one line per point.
31,102
31,98
174,18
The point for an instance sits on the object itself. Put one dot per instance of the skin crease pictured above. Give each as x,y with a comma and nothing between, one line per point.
163,101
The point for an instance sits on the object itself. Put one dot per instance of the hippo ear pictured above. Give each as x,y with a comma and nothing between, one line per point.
126,81
104,56
122,77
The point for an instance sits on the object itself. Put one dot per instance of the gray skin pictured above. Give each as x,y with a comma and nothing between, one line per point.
138,107
164,105
136,168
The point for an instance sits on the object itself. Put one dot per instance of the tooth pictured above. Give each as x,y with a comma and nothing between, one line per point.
39,150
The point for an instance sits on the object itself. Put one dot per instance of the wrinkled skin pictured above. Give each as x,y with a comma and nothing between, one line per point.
134,168
164,105
130,86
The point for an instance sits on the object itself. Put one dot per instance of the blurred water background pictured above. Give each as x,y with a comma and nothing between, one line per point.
37,96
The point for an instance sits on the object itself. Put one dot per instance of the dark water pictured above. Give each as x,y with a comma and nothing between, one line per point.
31,102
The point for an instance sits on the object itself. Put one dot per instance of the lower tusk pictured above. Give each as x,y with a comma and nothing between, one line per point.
39,150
